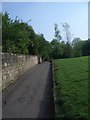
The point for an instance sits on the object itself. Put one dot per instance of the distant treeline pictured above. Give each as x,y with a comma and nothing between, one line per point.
19,37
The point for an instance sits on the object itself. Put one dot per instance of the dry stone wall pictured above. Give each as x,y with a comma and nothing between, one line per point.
14,65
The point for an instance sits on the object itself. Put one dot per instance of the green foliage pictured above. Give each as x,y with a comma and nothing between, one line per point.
71,79
67,52
56,49
77,47
15,36
19,37
86,48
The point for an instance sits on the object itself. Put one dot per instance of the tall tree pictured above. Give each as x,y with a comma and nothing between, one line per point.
57,33
66,29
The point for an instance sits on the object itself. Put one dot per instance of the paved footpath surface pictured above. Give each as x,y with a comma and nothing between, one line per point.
30,96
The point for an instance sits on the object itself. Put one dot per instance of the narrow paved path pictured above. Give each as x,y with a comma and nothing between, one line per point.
31,96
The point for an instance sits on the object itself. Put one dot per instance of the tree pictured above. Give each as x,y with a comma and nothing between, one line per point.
68,48
19,37
56,49
6,22
86,48
15,35
57,33
44,47
66,29
77,47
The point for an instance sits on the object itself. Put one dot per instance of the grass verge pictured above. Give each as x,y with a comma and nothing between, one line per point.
71,88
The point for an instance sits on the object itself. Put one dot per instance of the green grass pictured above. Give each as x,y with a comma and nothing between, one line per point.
71,80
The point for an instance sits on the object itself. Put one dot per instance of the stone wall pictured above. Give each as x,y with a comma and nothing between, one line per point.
14,65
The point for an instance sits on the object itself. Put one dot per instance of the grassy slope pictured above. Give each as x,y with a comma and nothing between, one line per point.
71,78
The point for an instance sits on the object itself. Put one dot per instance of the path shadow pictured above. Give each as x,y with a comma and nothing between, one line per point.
47,104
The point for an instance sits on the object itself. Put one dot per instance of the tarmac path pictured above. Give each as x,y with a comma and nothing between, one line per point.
31,96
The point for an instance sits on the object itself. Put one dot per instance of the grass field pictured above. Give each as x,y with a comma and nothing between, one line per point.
71,81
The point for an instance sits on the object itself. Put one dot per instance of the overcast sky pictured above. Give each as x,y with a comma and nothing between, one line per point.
44,15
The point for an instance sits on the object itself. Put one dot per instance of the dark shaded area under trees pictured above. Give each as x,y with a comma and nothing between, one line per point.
19,37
